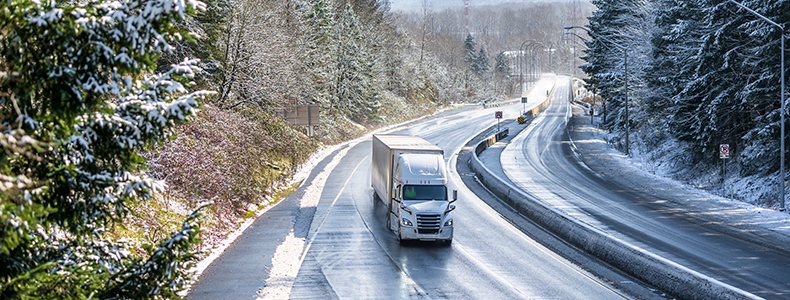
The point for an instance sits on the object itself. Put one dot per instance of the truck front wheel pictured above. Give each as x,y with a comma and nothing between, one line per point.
400,240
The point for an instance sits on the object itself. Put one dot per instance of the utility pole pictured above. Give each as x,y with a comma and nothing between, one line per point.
782,97
466,15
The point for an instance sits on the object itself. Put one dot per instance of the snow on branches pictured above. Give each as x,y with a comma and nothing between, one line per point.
78,101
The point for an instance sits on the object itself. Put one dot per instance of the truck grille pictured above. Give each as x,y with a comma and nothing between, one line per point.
428,223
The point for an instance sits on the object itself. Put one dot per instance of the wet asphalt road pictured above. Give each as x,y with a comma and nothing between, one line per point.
350,253
540,161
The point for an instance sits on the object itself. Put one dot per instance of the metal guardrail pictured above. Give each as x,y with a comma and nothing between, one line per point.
667,275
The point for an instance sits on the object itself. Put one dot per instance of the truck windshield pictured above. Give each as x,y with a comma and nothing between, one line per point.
424,192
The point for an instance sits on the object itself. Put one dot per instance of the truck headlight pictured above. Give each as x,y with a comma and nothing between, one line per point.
449,222
406,222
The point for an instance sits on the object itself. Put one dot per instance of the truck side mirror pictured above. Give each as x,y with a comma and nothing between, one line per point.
455,195
395,194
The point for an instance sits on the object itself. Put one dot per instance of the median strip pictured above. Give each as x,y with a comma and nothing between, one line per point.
653,269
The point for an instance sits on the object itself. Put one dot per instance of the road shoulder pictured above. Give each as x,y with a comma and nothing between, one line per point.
761,226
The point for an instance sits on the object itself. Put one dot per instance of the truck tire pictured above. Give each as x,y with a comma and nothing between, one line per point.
400,240
448,242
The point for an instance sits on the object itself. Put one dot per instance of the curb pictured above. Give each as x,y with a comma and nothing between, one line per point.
667,275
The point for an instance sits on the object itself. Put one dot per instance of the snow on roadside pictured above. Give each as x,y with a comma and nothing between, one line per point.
287,259
300,175
732,212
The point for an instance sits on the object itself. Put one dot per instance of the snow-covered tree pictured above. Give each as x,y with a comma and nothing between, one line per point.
78,101
615,27
502,67
355,94
674,41
469,45
319,35
481,65
761,93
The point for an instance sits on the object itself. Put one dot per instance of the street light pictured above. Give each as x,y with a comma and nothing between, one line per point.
593,90
534,67
520,65
782,97
625,66
522,60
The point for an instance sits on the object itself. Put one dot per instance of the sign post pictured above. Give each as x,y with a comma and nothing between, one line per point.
302,115
524,104
498,115
724,154
724,151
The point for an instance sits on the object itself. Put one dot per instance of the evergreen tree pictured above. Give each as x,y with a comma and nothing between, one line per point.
77,104
355,93
605,53
319,35
502,68
469,45
481,66
761,92
675,40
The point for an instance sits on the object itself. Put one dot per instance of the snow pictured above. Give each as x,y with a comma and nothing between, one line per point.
726,210
288,256
772,226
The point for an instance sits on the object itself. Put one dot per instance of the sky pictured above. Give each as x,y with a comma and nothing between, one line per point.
415,4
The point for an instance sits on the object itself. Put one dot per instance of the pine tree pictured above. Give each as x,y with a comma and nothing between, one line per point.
319,34
605,53
469,45
762,90
674,42
481,65
78,101
502,68
355,94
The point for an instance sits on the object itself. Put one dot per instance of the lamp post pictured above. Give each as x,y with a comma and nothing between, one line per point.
625,66
520,65
535,67
532,70
782,97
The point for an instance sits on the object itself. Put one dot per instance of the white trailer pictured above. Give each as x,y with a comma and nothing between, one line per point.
409,176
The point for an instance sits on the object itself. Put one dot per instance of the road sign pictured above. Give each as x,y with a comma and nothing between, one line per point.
524,100
724,151
302,115
498,114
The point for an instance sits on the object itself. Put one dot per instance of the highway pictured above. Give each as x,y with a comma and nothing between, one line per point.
341,249
540,161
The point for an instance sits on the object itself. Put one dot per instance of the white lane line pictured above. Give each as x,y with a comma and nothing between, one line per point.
415,291
289,256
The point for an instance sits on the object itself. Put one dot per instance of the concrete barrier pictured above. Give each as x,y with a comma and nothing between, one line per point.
662,273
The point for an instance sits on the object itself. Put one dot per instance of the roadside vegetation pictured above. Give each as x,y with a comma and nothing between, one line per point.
362,64
113,143
347,57
700,73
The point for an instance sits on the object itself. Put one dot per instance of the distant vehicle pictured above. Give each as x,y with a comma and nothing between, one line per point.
410,177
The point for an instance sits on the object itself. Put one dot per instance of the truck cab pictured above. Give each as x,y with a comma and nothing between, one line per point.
421,207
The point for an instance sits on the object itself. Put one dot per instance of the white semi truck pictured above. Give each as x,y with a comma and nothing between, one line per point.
410,177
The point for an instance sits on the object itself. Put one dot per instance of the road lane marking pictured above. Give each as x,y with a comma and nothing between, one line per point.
288,257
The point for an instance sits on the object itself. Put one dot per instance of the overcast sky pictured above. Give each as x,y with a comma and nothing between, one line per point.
415,4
